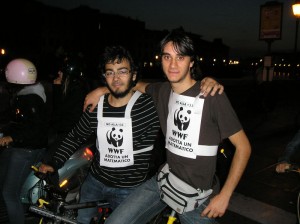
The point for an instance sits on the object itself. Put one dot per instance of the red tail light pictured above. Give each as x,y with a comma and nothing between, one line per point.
88,153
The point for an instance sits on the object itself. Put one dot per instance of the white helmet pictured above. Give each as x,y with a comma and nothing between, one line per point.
20,71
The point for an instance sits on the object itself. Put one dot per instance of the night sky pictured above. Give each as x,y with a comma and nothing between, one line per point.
235,21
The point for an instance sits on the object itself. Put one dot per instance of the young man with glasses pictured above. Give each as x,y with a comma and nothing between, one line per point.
126,125
193,126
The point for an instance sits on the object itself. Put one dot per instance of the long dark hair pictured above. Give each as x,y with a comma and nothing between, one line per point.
184,45
74,73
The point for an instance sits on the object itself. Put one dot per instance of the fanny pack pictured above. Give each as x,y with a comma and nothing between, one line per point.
179,195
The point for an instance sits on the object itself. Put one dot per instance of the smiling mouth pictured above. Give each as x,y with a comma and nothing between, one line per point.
117,84
173,73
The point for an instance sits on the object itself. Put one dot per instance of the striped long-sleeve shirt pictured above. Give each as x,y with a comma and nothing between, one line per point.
145,127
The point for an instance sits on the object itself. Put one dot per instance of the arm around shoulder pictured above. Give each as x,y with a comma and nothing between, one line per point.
93,97
141,86
210,86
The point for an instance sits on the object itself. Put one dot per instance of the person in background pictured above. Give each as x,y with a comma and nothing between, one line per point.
193,126
24,139
69,90
286,160
5,104
126,124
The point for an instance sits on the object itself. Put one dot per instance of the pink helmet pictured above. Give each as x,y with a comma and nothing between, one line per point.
20,71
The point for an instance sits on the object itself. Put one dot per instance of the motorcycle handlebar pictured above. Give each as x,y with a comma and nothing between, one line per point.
50,178
293,168
38,174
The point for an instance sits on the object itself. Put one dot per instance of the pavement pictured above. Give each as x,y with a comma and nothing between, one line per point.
270,115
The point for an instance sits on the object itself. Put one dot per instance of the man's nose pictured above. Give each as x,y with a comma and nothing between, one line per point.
173,62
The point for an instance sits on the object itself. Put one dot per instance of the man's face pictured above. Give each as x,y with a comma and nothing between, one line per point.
119,78
175,66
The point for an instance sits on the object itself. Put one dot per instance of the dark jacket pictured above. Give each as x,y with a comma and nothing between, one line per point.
28,127
67,108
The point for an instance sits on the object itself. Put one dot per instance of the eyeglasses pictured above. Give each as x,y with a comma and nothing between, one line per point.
120,73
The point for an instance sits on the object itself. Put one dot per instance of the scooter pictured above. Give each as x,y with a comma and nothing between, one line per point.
78,164
50,192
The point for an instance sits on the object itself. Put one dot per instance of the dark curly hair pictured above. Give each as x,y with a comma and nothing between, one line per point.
119,53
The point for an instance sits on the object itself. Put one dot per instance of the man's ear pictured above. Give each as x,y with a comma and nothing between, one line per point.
191,64
134,76
103,80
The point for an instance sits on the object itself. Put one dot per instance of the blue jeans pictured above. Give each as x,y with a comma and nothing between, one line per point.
292,147
15,166
94,190
144,203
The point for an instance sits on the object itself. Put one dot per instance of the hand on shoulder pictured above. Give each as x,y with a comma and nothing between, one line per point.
210,86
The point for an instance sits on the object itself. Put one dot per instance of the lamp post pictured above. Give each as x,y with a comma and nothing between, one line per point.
296,12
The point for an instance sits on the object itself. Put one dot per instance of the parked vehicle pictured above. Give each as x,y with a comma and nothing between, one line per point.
46,194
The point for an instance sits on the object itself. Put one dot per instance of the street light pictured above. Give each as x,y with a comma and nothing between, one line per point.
296,12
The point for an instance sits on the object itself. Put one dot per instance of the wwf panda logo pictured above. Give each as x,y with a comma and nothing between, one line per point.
115,137
182,118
